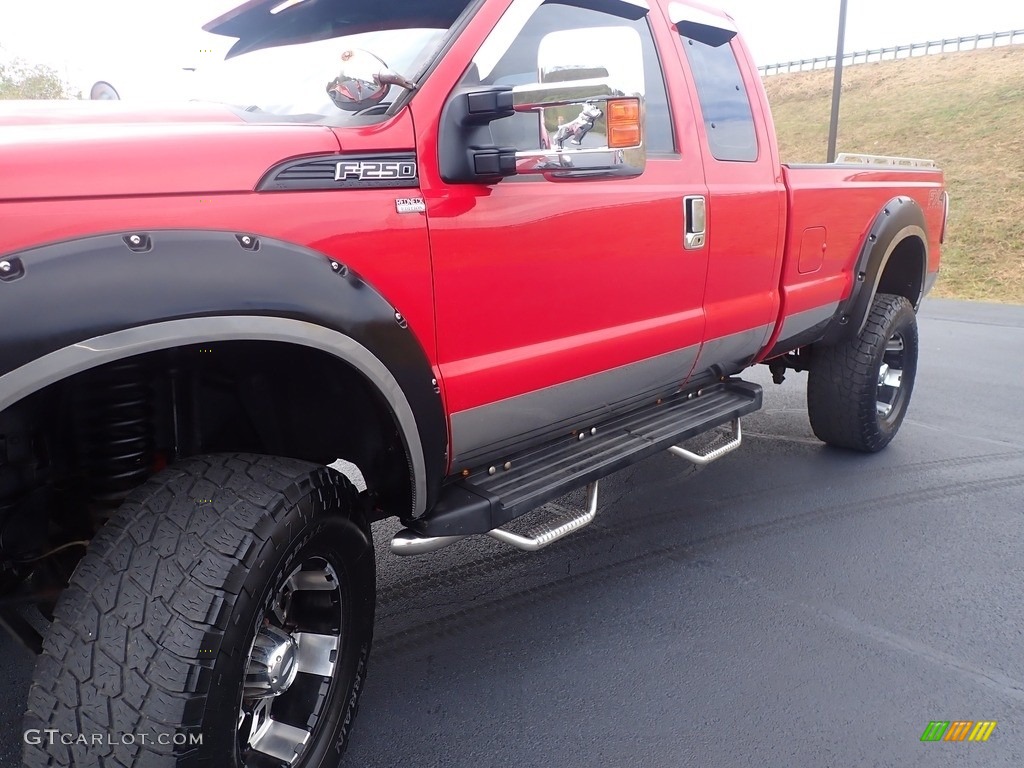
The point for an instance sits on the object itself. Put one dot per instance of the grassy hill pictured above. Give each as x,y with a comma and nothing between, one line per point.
963,110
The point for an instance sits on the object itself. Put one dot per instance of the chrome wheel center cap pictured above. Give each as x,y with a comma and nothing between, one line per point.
273,664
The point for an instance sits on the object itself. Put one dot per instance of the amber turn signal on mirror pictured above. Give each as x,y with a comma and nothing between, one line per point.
624,123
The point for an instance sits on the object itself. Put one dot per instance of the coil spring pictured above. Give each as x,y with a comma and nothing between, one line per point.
115,409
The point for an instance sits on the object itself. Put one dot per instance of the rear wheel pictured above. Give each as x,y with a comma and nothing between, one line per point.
858,391
223,617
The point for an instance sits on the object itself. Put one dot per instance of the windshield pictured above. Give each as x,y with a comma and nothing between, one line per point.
291,80
280,63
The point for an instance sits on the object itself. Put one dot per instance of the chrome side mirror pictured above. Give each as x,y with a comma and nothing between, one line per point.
590,105
598,136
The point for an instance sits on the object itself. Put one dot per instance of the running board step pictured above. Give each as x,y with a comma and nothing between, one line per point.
703,459
408,542
493,495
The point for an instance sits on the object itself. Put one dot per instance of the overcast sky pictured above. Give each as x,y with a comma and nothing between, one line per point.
119,40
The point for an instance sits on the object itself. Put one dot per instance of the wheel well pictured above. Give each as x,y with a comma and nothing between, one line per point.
903,274
86,441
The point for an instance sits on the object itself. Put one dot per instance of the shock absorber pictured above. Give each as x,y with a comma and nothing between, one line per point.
115,424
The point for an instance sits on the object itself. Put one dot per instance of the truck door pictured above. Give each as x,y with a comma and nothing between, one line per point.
558,302
746,197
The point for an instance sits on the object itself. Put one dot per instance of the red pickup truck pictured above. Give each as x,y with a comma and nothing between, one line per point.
483,252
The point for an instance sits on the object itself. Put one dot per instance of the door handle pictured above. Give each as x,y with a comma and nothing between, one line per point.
695,222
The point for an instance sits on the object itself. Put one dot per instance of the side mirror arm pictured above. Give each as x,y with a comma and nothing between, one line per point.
467,152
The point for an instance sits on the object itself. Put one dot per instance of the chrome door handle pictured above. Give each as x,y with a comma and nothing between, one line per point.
695,222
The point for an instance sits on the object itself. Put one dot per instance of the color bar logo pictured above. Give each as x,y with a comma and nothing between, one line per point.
958,730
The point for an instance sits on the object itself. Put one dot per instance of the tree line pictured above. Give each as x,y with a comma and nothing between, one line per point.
21,80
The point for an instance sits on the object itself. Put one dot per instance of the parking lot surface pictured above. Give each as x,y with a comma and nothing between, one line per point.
790,605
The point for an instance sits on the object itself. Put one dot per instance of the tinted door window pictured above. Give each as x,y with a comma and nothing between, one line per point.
724,103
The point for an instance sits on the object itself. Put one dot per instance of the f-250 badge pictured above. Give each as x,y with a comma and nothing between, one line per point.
375,170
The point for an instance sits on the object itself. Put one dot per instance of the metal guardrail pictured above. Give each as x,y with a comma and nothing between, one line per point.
969,43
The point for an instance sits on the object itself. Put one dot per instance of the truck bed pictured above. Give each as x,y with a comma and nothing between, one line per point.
831,211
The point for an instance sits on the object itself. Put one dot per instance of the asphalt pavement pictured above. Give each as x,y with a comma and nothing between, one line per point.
790,605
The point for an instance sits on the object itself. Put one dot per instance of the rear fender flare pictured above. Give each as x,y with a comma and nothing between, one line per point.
901,218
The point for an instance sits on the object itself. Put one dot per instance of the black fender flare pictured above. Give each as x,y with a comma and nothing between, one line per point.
898,220
70,306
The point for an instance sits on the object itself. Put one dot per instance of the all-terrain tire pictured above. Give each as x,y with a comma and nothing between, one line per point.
846,400
154,633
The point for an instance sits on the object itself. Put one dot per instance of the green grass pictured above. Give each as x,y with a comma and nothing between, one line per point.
963,110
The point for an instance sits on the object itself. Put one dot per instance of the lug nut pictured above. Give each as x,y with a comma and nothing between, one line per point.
508,465
246,240
491,470
135,239
5,266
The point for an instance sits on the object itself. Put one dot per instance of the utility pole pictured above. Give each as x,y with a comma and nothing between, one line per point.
837,84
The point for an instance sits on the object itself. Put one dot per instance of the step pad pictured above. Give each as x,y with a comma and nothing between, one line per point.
557,527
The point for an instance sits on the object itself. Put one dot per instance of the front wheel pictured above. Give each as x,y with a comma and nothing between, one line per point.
858,391
223,617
